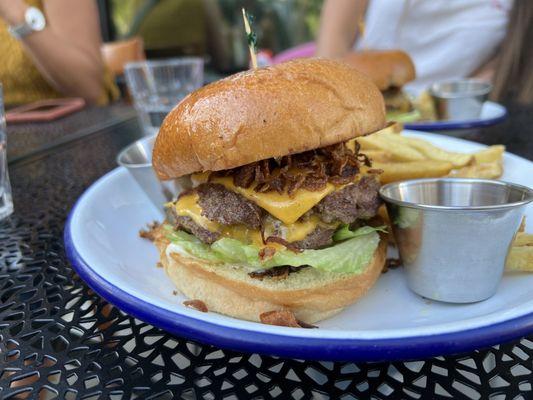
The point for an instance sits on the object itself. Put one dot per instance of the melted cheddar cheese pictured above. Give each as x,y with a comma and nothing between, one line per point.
188,206
287,209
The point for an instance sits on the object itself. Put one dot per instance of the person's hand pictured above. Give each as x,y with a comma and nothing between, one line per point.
12,11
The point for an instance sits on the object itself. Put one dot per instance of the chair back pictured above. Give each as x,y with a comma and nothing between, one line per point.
117,54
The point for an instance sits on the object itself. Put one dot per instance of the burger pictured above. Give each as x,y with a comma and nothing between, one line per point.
278,217
390,70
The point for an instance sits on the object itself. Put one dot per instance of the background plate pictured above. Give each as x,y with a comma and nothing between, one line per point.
491,113
102,243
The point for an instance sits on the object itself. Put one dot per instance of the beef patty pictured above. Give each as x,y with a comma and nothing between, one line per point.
187,224
360,200
318,238
357,201
226,207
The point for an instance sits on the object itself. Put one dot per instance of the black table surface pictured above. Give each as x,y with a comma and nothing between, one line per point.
28,139
58,338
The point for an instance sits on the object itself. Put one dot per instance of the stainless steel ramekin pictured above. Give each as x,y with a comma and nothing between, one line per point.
453,234
461,99
137,158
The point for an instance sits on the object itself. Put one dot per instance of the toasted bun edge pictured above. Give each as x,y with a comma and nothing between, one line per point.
245,300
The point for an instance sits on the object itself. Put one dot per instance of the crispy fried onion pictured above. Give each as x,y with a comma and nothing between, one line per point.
310,170
266,253
198,305
277,273
283,318
391,263
279,240
151,232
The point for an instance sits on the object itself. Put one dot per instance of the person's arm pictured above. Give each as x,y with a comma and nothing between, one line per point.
487,71
339,26
67,50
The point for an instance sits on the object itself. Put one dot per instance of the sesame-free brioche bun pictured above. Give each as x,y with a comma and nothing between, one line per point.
386,68
310,294
267,112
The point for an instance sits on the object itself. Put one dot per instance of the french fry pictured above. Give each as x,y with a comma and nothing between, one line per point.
523,239
490,154
490,170
396,127
379,155
522,227
382,213
426,106
399,156
393,127
368,143
435,153
488,164
384,216
393,172
400,147
392,143
520,257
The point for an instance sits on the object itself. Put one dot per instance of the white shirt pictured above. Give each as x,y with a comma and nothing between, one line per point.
447,39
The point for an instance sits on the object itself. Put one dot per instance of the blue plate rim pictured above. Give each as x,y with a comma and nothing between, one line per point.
454,125
330,349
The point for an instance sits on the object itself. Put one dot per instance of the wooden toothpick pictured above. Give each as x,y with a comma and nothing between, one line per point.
251,38
361,25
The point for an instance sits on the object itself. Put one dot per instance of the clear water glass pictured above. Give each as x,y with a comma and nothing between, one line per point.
6,201
158,85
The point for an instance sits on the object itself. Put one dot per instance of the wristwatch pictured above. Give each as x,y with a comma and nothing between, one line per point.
34,21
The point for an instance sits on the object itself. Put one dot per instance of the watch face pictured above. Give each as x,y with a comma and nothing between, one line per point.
35,19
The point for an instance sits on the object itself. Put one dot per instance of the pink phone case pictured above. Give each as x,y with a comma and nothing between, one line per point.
44,110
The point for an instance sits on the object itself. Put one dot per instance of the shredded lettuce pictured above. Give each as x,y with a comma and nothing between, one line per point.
344,232
351,253
191,245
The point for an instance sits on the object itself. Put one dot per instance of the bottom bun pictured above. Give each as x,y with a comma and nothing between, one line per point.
310,294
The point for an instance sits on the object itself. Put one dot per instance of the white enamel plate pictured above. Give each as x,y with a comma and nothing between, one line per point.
102,243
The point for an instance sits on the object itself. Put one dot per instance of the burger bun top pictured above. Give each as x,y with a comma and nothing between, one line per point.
267,112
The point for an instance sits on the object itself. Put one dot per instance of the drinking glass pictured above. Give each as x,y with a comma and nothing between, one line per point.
6,202
158,85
